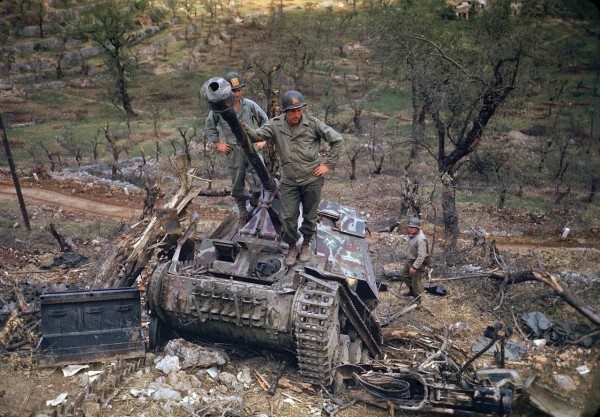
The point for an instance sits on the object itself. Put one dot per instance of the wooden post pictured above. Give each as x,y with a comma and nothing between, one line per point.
13,171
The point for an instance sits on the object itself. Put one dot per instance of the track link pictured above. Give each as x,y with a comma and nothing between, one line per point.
316,321
317,328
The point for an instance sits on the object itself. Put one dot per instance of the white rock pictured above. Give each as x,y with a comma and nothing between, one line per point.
213,372
169,364
166,394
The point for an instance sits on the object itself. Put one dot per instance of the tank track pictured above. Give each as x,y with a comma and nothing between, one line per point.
365,324
317,308
317,315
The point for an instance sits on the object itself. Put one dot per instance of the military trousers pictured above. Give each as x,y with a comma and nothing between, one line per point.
239,165
292,196
414,281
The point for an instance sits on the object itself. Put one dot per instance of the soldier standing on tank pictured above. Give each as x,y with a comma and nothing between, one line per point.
418,259
297,138
251,113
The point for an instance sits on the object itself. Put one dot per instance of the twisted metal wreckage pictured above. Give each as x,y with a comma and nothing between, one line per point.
234,287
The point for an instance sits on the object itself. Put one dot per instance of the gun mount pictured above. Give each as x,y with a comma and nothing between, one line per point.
237,289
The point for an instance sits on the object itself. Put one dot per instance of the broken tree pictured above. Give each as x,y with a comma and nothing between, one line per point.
133,249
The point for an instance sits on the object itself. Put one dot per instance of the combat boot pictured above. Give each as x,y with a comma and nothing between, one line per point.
290,258
283,247
305,251
407,293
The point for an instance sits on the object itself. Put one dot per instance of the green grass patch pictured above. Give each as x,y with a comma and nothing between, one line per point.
390,102
490,198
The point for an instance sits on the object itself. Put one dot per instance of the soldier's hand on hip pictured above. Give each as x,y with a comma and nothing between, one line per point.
223,147
261,145
321,170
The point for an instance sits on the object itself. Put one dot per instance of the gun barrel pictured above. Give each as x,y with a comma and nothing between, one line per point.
217,92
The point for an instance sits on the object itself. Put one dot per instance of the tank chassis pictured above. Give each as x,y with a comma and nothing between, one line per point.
237,289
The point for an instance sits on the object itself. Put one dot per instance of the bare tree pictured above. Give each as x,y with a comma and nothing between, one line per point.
53,157
96,144
465,86
173,5
110,24
59,59
498,164
593,189
186,141
209,161
212,7
38,10
115,150
354,149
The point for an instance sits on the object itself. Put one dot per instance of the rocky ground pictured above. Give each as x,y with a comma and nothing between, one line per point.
234,381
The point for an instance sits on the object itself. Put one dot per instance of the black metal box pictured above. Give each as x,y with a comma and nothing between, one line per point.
90,326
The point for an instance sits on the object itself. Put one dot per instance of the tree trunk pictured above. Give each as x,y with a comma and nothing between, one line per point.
450,214
378,166
593,189
418,122
66,244
520,191
502,198
357,120
122,85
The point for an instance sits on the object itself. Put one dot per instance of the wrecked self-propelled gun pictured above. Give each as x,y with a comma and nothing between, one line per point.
237,289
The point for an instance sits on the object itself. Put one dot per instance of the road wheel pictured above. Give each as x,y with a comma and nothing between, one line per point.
355,351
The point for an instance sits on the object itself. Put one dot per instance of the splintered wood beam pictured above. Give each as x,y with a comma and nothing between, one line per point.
133,249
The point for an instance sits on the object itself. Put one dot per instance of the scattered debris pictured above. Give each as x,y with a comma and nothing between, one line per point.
67,260
548,401
58,400
71,370
559,332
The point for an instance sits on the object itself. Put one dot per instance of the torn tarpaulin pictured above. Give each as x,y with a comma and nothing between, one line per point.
537,322
558,333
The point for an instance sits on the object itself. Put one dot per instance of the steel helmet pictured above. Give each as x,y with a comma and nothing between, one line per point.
235,80
292,100
414,222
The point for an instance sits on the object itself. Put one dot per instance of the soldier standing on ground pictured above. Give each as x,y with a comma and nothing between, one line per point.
418,258
298,140
251,113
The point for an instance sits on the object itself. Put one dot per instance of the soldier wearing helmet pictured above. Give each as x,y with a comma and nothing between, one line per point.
418,259
248,111
298,140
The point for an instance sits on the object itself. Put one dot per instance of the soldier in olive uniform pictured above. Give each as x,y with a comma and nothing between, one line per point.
298,140
418,258
252,115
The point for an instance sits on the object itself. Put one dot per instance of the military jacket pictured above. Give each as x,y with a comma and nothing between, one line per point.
248,111
298,148
417,249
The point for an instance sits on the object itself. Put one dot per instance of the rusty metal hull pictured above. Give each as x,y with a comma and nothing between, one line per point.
237,288
222,310
321,320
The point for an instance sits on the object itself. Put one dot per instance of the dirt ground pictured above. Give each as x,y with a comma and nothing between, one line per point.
91,213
